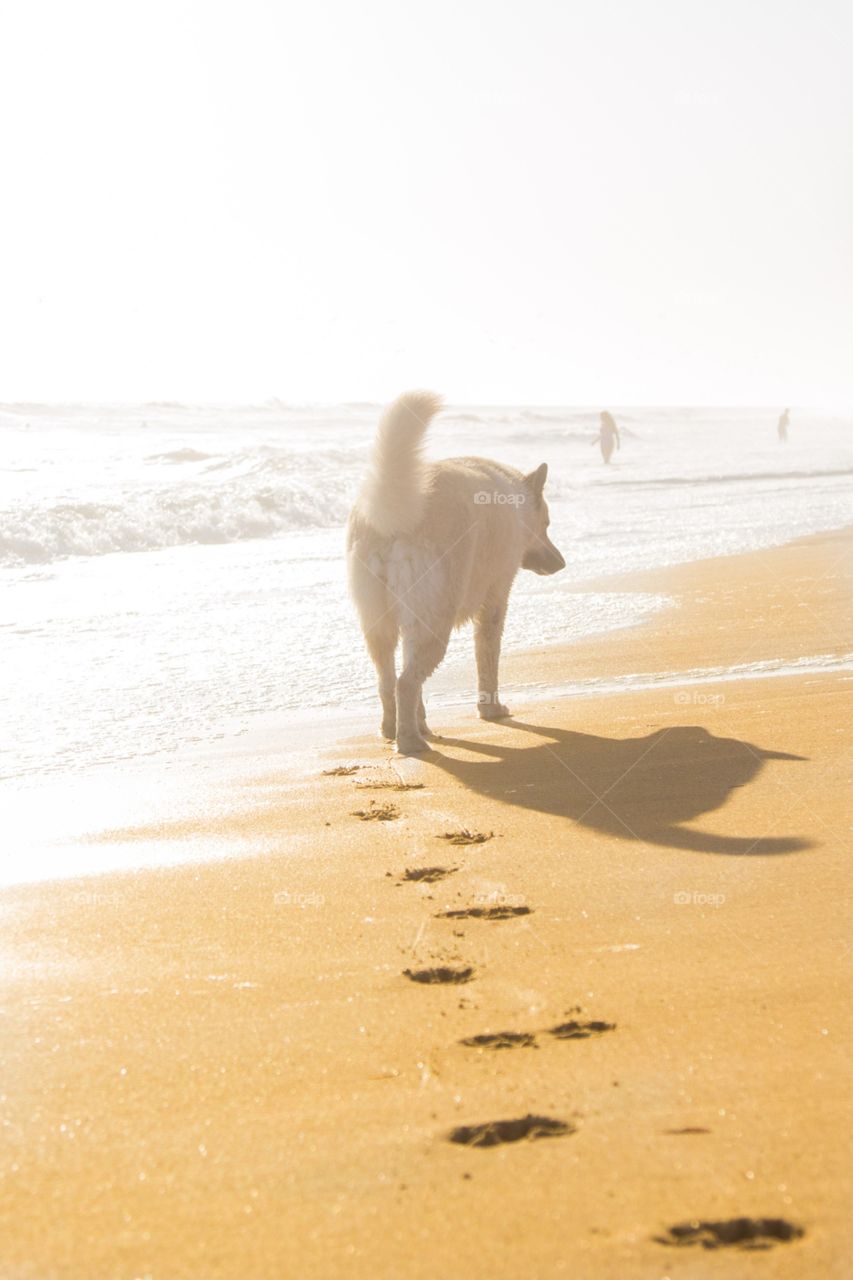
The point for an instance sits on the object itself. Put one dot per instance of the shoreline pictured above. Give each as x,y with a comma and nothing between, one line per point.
453,690
452,686
53,814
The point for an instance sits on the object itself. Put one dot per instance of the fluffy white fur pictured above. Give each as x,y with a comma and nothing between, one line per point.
430,546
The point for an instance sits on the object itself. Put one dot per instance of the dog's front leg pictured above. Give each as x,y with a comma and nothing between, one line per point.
488,629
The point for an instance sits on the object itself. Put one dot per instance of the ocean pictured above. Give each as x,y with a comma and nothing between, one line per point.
170,574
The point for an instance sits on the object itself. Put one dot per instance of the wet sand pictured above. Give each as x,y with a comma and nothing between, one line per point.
293,1063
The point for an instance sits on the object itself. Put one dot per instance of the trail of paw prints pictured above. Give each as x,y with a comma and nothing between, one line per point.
502,1040
500,912
574,1029
578,1030
377,812
399,785
441,975
375,779
424,875
381,778
737,1233
465,836
493,1133
488,1133
740,1233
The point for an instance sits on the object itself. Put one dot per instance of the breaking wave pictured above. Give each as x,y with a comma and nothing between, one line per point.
230,500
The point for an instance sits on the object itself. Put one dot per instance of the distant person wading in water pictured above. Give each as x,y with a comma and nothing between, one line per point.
608,435
783,426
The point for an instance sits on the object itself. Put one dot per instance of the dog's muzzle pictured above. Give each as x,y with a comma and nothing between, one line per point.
544,560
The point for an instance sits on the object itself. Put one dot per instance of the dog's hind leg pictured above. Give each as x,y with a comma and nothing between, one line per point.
488,629
376,608
381,644
423,650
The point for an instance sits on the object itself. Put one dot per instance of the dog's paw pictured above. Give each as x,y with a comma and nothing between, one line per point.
411,744
493,711
389,729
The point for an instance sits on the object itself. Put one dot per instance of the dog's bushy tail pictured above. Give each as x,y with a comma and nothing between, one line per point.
392,498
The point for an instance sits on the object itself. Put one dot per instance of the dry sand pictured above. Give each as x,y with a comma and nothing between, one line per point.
224,1071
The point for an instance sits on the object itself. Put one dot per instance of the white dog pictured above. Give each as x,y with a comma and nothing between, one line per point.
430,546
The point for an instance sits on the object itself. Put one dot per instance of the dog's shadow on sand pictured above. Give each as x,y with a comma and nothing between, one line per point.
627,788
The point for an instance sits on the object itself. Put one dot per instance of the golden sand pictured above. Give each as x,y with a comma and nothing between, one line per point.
622,916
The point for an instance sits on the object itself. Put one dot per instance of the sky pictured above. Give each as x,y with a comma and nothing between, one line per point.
584,202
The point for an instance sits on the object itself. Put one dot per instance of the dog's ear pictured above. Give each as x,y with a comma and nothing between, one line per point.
536,480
